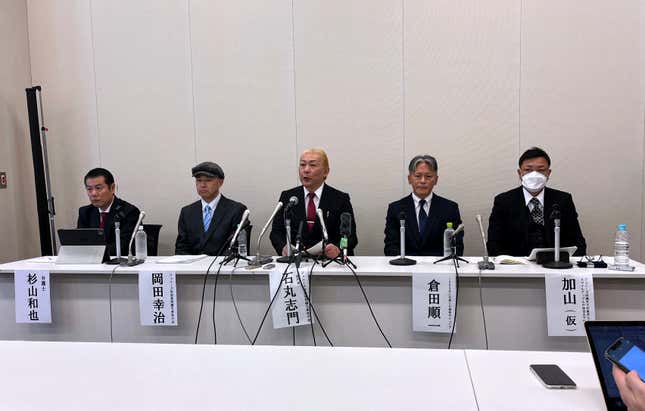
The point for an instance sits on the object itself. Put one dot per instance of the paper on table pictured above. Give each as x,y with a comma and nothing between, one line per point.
507,259
181,259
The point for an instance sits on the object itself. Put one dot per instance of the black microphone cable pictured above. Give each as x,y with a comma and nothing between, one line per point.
369,305
481,304
313,309
201,305
454,320
237,312
284,274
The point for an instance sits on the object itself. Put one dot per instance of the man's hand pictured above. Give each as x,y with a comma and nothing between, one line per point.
631,387
331,251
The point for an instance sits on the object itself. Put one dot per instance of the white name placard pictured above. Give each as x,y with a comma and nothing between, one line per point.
33,301
158,298
433,302
569,303
290,307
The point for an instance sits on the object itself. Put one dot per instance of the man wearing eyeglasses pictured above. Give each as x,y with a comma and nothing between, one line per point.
426,214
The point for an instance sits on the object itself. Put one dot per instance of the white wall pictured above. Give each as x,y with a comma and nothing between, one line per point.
18,225
149,88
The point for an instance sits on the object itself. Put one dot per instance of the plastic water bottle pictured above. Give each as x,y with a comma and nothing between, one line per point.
621,247
241,244
141,244
447,240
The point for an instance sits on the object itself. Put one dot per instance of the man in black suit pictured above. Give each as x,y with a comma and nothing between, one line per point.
205,226
106,209
311,195
521,218
426,214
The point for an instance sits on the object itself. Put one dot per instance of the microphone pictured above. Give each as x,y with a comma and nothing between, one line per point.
293,201
299,236
555,213
245,216
259,259
459,229
131,260
319,212
485,264
402,260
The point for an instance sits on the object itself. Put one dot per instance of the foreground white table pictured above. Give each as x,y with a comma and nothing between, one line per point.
513,302
502,381
97,376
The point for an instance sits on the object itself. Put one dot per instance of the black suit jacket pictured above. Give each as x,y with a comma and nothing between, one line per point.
191,238
121,210
442,211
508,226
332,202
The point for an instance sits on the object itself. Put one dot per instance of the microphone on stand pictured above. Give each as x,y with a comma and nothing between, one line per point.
131,260
299,244
319,212
485,264
293,201
402,260
345,231
260,259
556,263
245,216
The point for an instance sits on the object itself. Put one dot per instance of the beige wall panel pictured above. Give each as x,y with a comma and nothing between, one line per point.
242,55
580,101
144,97
349,101
18,226
461,100
60,43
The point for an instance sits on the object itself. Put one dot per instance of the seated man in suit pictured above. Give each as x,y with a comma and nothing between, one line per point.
521,218
106,208
313,194
206,225
426,214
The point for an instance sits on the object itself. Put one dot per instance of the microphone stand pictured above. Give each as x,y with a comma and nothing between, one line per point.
402,260
119,260
234,252
556,263
453,253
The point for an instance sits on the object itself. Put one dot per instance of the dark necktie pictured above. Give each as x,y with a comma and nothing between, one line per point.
423,218
537,214
311,212
102,219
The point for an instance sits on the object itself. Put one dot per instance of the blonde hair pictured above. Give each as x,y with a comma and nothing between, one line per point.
320,152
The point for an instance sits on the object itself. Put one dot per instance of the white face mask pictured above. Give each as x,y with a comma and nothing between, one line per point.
534,181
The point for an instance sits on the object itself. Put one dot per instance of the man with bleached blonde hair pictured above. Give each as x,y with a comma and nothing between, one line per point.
314,193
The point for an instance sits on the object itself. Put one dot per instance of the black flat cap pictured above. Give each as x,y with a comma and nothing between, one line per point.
208,168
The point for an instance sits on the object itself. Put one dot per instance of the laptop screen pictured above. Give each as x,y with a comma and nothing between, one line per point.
601,335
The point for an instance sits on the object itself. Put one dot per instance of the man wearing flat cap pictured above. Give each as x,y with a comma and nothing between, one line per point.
205,225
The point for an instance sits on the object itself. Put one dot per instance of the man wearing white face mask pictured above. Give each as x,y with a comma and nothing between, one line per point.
521,218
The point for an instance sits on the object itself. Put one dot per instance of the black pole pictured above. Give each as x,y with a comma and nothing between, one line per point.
39,172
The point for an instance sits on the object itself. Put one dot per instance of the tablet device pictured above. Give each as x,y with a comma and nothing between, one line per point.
601,335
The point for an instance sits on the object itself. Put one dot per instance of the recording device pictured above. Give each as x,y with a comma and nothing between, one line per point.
627,356
402,260
131,260
260,259
245,216
552,376
345,231
556,263
485,264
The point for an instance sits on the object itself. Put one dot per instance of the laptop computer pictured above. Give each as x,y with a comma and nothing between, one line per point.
81,246
601,334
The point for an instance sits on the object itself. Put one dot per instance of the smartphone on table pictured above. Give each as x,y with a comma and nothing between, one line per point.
552,376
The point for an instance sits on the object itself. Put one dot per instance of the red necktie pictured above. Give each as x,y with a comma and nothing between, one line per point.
102,220
311,212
